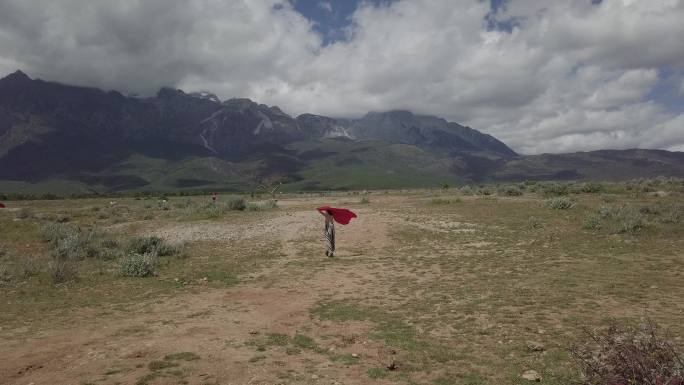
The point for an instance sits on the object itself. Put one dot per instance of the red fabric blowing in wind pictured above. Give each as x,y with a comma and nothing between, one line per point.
2,206
340,215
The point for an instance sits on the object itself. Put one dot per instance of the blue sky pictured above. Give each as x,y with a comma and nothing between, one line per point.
332,16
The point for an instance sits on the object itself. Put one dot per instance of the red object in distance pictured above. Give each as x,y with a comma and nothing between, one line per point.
340,215
2,205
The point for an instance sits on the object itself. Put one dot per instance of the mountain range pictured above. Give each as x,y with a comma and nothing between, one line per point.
66,139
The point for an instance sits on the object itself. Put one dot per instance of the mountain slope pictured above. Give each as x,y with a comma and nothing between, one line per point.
56,137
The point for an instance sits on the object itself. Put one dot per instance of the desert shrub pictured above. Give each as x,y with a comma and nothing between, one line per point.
237,204
210,210
138,265
24,213
52,232
560,203
673,213
628,355
484,191
78,245
443,201
624,219
466,190
28,267
110,249
592,222
534,223
62,271
151,245
630,220
261,206
608,198
605,211
555,189
591,187
6,276
509,191
364,200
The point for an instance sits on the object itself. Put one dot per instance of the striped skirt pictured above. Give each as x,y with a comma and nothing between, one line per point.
330,238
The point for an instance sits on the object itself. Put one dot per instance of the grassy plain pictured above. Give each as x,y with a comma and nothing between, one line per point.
439,287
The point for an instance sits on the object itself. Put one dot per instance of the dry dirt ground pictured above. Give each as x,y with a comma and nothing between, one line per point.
448,289
218,324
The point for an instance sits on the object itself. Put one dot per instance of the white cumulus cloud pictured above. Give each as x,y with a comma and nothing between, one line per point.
567,76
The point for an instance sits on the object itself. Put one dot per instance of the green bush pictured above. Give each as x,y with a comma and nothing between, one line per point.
151,245
592,222
74,247
52,232
560,203
555,189
138,265
630,220
624,219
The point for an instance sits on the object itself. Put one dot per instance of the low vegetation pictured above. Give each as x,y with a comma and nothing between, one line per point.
622,354
560,203
474,284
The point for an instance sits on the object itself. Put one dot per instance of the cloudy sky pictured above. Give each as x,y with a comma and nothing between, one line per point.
543,76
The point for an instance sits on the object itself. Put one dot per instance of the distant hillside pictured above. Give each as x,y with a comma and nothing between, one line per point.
63,139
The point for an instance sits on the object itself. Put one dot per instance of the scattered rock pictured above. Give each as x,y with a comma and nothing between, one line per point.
253,332
532,375
314,377
535,346
355,355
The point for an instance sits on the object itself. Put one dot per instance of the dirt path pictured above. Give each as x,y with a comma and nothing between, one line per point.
221,326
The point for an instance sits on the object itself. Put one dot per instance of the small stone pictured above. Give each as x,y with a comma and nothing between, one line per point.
355,355
314,377
535,346
541,331
654,287
532,375
176,279
253,332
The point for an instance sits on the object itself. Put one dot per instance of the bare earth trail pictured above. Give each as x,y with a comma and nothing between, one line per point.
220,325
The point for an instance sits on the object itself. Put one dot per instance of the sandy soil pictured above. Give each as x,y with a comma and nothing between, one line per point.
218,324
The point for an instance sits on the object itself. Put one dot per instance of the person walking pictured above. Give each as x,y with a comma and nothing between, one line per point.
340,215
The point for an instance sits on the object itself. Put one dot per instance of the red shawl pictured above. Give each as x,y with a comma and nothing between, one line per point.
2,206
340,215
